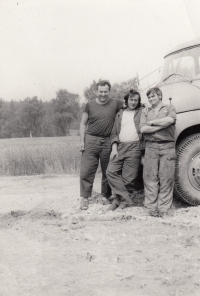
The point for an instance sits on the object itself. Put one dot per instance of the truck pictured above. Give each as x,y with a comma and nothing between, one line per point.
180,84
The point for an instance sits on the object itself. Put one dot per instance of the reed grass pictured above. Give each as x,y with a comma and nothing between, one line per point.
33,156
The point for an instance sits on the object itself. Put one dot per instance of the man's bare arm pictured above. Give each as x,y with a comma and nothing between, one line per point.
83,126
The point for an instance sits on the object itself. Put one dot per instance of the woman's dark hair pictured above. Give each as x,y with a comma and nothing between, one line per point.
132,93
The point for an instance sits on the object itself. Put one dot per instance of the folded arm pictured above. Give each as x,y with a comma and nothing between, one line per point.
162,122
155,125
147,129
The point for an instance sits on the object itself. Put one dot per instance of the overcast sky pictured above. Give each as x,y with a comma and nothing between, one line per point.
51,44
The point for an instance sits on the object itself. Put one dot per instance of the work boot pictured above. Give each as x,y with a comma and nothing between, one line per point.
124,205
105,200
114,205
166,214
153,213
84,203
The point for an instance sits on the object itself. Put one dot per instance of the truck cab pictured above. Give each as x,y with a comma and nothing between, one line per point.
180,85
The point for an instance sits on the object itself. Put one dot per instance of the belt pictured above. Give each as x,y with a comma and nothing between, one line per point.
98,136
161,142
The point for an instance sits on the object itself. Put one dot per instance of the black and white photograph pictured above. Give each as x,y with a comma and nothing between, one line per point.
100,147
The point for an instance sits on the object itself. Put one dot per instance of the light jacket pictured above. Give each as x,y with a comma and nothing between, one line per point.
117,126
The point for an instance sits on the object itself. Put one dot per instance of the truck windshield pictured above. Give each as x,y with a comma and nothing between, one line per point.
181,66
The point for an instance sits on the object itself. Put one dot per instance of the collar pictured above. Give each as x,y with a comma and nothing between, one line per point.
123,109
161,106
97,100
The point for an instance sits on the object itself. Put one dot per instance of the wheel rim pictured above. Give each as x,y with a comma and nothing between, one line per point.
194,171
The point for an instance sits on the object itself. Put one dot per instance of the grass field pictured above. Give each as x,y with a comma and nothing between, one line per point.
31,156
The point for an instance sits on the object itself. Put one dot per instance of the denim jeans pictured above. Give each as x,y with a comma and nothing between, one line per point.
158,174
96,148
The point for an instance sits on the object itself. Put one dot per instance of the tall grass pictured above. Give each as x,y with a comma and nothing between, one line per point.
30,156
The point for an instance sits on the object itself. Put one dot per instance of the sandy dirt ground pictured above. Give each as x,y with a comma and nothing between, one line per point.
49,247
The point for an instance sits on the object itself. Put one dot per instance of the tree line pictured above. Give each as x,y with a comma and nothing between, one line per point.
32,117
118,90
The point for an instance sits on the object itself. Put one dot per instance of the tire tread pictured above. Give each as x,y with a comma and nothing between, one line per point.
182,147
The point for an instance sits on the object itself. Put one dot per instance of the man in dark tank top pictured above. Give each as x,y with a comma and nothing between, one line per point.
95,129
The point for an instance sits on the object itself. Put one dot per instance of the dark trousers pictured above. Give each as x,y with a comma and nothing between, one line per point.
122,172
96,148
158,174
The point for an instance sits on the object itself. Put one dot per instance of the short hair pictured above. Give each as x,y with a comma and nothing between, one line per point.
103,83
155,90
132,93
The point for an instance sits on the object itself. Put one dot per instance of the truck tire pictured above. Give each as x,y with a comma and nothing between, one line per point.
187,170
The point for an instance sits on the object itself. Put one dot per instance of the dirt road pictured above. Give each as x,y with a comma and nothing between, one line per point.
49,247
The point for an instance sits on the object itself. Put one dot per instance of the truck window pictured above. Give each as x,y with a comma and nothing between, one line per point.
187,66
181,66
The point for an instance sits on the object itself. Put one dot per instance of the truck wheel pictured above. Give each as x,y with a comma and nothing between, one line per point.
187,170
